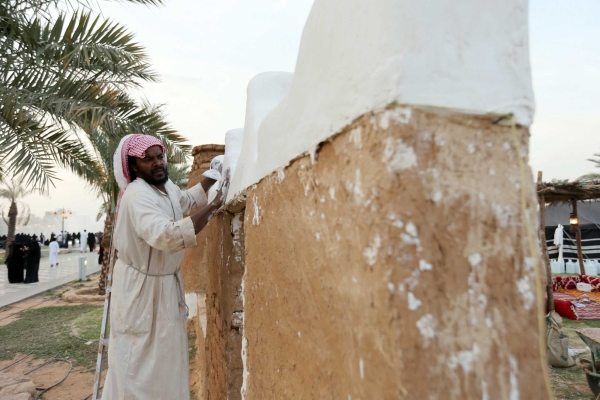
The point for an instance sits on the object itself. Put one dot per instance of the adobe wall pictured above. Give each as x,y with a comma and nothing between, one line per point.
217,368
194,278
400,265
197,263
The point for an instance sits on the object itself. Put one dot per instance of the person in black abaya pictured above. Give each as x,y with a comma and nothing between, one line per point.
15,264
32,261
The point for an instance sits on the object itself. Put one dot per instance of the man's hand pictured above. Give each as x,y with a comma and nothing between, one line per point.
201,218
222,193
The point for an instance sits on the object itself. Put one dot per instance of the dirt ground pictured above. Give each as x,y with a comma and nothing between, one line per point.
79,382
77,386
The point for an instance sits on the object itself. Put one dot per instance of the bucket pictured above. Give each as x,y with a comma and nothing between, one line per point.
593,380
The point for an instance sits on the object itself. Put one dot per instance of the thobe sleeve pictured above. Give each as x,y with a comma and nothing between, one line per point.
192,198
157,228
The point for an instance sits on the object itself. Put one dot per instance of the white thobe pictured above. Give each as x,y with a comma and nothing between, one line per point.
83,241
148,349
53,252
558,241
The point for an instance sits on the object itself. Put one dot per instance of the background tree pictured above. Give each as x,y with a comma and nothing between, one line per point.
13,190
59,75
592,176
65,78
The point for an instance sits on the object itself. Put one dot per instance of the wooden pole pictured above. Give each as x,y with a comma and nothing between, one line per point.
578,239
545,256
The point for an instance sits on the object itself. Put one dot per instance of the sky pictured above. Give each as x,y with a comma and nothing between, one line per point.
206,52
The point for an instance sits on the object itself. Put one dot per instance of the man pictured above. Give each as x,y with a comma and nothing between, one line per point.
83,241
148,351
53,252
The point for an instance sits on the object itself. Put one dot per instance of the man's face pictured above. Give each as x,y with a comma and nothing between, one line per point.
153,167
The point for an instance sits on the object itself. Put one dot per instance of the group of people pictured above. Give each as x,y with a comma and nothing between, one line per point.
23,255
23,261
85,239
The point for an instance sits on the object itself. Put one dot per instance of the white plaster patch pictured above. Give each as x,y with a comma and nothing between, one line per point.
332,193
299,334
280,175
391,287
411,229
337,236
397,156
492,172
395,221
514,379
475,259
246,373
413,302
426,325
506,146
437,196
529,262
256,216
464,358
191,299
356,188
401,115
318,236
425,266
471,148
485,395
356,137
526,290
361,368
370,253
503,214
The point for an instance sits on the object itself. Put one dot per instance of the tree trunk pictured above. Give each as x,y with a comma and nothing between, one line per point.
12,224
545,256
105,243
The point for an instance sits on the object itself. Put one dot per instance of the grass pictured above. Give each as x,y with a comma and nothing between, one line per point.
87,326
570,383
46,332
57,292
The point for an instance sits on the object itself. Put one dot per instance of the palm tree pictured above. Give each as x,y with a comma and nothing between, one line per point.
13,191
60,75
179,173
592,176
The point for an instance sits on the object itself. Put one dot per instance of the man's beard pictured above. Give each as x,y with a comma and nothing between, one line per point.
154,181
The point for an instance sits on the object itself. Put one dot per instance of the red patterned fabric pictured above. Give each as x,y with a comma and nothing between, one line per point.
570,282
136,145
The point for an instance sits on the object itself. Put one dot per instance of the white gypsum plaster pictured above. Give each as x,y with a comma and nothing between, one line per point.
233,148
264,92
358,56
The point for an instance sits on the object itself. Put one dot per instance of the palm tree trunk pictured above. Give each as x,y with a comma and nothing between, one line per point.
106,240
12,224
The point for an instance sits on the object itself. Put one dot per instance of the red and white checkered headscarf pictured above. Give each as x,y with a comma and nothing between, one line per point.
131,145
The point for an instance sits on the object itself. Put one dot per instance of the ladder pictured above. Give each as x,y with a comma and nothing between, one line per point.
103,342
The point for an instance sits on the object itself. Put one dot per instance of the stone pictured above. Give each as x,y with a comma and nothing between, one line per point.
14,384
20,396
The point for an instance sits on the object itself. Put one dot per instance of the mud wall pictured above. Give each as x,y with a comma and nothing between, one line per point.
398,265
194,277
197,263
217,368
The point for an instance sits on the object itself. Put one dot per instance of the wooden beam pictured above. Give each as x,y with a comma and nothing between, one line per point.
578,239
545,256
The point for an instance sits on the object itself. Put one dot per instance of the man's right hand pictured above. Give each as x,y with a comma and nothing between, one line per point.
222,193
